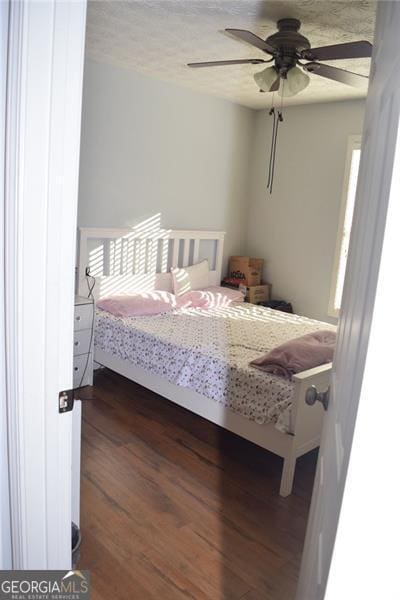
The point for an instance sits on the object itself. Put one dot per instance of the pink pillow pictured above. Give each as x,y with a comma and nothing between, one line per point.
138,305
210,297
302,353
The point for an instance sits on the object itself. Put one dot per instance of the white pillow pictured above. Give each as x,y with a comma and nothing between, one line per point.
186,279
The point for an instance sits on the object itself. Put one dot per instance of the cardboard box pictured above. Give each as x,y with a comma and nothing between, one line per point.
246,269
257,293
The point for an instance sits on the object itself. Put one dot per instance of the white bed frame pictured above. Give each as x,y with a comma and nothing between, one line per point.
128,260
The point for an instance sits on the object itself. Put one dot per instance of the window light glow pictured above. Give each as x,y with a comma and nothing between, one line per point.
348,219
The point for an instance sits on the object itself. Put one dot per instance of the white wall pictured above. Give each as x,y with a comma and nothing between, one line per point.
152,147
149,147
295,228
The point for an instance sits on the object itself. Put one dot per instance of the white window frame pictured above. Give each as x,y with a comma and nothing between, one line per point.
353,143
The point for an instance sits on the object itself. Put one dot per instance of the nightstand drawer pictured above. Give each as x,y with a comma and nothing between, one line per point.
83,316
79,367
82,341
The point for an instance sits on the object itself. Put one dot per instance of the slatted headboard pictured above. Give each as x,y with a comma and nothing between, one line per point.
125,261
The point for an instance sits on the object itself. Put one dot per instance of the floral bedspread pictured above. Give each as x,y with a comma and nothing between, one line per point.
209,351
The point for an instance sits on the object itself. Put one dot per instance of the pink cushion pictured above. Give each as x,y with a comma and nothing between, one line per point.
138,305
210,297
300,354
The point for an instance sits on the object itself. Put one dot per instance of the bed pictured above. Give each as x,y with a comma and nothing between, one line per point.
199,358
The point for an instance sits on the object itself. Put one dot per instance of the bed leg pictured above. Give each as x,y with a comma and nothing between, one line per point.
289,465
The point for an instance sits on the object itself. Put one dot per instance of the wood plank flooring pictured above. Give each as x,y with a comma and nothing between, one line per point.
175,507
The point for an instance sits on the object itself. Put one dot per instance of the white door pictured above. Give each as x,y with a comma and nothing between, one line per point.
43,114
377,190
5,541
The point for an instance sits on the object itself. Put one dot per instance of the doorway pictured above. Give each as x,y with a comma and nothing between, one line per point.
34,519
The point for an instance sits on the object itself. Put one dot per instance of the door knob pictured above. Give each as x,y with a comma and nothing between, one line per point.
313,396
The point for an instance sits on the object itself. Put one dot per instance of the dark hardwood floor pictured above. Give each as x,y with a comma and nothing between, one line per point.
175,507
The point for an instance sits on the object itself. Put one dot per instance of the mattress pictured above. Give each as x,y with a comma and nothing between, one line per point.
209,351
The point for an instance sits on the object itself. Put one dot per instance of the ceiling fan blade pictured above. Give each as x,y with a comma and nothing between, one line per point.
347,77
275,86
361,49
251,38
222,63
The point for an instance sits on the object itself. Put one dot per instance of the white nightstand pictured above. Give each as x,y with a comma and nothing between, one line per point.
83,341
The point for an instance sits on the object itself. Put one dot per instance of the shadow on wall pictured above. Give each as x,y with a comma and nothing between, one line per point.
139,259
130,263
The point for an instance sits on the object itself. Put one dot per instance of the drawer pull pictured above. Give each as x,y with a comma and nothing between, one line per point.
76,343
76,368
78,318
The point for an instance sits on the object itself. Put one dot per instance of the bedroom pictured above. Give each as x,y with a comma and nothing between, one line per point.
172,152
173,504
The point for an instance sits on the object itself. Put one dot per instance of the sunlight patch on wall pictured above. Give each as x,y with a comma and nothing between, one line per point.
131,263
136,260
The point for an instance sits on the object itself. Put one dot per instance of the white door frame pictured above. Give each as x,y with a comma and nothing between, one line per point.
5,524
43,116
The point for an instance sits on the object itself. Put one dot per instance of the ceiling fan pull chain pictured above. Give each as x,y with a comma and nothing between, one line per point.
271,112
279,119
274,154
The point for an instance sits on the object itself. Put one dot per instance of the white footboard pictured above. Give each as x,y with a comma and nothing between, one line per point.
306,421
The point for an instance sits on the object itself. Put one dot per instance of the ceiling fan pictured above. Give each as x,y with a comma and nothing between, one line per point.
288,49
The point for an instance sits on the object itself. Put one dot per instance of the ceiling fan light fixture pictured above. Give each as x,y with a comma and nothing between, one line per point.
295,82
265,78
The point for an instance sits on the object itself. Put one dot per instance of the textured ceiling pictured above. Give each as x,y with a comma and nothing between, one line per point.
158,38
